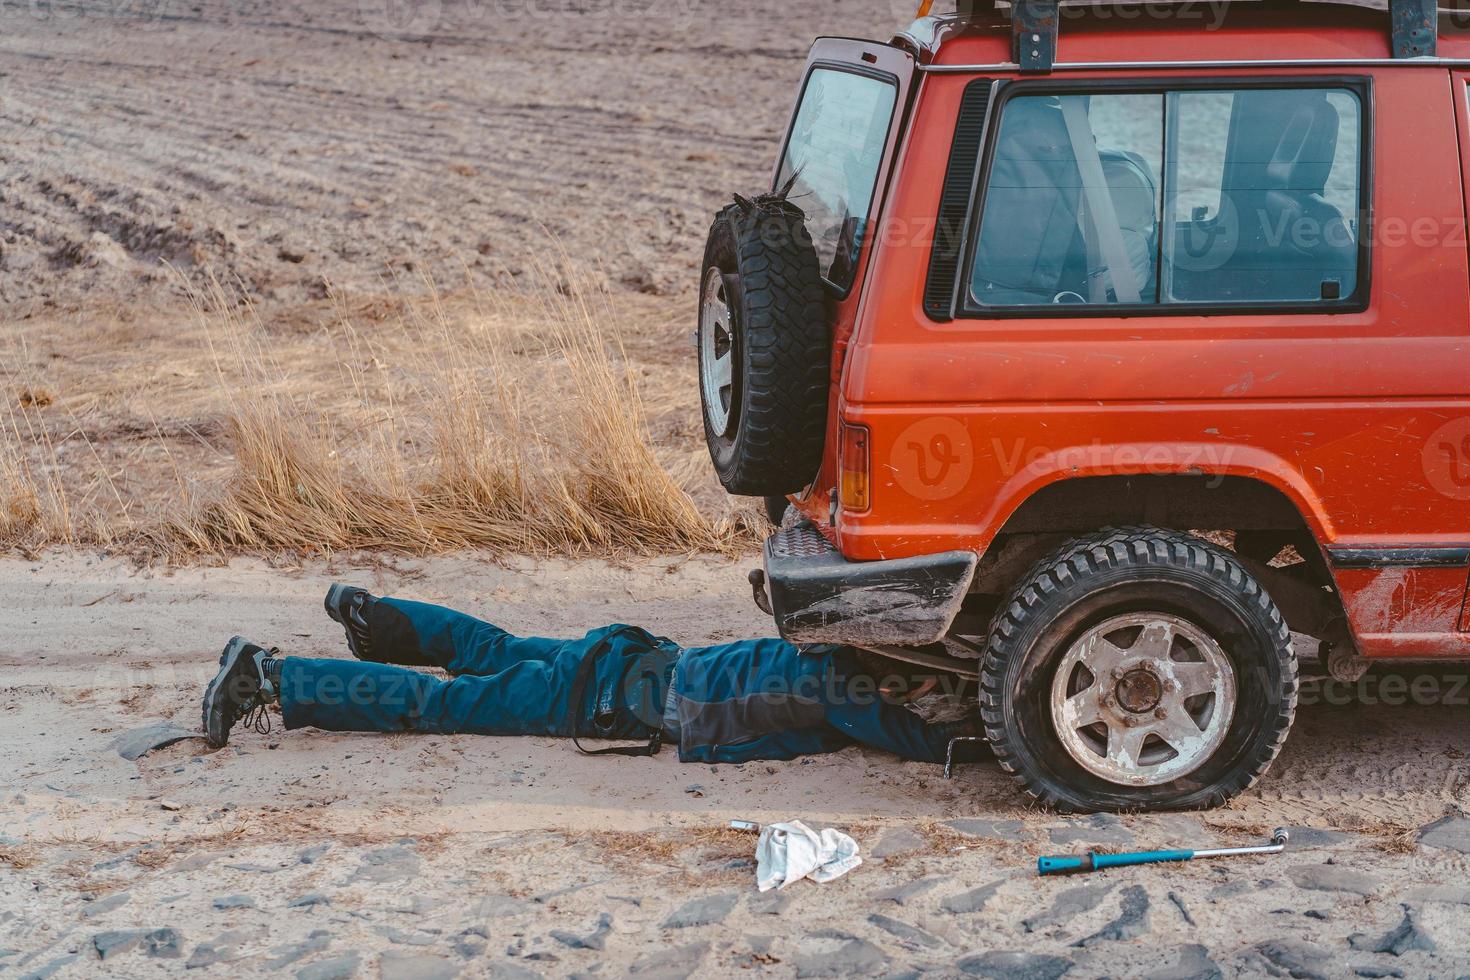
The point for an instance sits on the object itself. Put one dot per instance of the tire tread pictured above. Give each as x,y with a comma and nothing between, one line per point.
1091,555
787,351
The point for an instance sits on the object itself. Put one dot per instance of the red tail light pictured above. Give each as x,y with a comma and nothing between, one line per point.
856,469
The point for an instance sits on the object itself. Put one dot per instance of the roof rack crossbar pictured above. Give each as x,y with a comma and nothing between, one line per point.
1035,24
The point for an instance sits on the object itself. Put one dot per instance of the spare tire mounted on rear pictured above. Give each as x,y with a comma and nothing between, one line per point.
764,349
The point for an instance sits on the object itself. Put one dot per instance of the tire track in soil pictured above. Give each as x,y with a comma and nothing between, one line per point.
236,134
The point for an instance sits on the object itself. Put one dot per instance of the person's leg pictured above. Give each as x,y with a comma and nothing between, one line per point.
530,697
865,716
405,631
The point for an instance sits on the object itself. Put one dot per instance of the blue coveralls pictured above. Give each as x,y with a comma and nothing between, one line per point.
731,703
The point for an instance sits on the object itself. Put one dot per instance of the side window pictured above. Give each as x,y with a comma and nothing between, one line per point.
1071,209
834,152
1245,197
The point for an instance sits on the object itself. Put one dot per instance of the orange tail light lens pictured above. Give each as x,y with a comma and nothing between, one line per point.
856,468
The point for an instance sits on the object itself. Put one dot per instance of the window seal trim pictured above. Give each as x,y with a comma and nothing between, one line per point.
1358,302
972,214
837,291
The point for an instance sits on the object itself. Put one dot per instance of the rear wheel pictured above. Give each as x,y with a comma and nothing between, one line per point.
1138,669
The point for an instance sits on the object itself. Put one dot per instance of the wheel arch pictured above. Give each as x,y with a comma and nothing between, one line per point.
1184,501
1251,517
1236,481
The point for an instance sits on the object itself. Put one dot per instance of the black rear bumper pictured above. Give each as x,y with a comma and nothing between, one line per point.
818,596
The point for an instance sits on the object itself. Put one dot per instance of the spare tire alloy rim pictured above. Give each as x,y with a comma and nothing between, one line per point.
716,352
1143,699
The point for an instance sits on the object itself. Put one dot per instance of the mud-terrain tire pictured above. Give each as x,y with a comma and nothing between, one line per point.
765,408
1190,599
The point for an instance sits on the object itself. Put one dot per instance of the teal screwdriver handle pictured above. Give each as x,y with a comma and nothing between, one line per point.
1080,864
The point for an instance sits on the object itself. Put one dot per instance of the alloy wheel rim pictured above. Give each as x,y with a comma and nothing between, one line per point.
1143,699
716,352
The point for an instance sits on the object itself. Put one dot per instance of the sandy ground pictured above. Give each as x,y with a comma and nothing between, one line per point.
286,146
402,856
367,143
363,148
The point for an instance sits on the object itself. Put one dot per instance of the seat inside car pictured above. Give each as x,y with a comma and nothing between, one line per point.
1032,248
1292,242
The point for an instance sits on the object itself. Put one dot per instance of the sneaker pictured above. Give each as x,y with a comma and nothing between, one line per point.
348,605
239,691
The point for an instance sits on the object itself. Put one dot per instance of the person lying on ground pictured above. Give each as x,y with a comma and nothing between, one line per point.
731,703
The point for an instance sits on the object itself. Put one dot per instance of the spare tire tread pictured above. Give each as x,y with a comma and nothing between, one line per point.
787,352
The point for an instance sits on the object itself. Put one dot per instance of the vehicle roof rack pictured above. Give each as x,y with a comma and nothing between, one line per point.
1035,24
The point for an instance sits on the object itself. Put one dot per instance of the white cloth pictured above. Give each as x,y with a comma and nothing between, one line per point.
788,852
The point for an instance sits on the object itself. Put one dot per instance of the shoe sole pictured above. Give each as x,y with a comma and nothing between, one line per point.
333,601
227,660
338,598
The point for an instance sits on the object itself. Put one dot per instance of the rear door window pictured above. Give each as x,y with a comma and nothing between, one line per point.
1202,197
834,151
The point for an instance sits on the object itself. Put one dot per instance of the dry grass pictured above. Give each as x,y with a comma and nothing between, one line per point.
636,846
666,847
514,422
18,858
1387,836
724,841
35,507
1399,842
154,858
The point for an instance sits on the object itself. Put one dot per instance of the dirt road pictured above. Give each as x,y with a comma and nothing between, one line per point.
369,143
434,856
289,145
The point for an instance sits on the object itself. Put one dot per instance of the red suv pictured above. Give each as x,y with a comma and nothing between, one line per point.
1098,350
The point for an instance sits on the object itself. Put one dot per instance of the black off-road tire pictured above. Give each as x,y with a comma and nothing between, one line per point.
783,350
1115,571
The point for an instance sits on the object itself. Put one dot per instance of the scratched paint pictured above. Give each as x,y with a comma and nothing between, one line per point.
1388,605
875,615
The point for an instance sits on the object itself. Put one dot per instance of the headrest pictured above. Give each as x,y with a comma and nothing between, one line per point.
1033,129
1304,154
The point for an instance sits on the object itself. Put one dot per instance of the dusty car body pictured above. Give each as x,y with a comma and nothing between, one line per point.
1133,281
